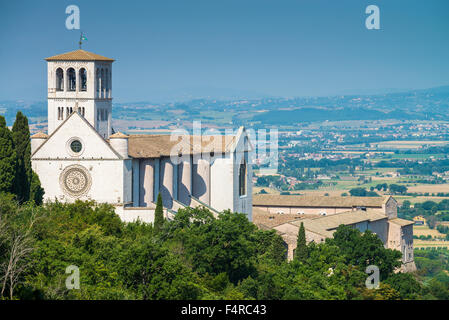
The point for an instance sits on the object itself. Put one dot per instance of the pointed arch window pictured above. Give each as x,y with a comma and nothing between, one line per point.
59,79
106,80
83,79
71,79
242,178
102,81
60,113
97,80
81,111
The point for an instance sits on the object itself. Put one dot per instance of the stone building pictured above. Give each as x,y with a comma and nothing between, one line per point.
377,215
311,206
82,157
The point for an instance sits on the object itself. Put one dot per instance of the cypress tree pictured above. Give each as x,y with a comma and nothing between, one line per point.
301,252
158,215
7,158
277,250
36,191
22,145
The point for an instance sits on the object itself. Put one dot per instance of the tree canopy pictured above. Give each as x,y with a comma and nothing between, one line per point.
194,256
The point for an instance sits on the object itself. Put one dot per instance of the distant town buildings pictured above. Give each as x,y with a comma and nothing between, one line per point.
419,220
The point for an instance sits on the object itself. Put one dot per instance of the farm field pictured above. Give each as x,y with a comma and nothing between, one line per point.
424,230
404,144
418,199
430,188
267,189
418,156
427,243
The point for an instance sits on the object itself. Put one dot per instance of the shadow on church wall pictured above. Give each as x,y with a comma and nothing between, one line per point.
167,199
199,187
183,194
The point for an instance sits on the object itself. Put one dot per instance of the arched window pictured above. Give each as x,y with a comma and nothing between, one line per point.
71,78
242,179
97,80
102,80
106,81
83,79
59,80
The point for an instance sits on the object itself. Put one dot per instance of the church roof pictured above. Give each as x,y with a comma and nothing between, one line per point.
401,222
155,146
39,135
326,225
79,55
316,201
118,135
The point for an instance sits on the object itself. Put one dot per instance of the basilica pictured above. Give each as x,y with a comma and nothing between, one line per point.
82,157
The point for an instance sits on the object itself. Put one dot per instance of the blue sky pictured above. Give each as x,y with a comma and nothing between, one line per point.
279,48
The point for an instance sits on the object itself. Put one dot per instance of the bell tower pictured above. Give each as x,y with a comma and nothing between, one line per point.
80,81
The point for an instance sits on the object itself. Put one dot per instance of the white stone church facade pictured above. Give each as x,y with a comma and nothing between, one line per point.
82,158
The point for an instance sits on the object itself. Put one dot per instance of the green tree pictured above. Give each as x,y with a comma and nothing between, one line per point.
405,284
364,249
158,215
277,250
22,145
301,252
155,273
36,191
406,205
397,189
7,158
215,245
358,192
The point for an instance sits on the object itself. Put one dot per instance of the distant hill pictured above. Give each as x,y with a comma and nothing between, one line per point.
429,104
319,114
36,111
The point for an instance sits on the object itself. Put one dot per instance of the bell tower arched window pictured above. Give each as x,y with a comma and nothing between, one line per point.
102,81
97,80
71,79
83,79
59,79
106,76
242,179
